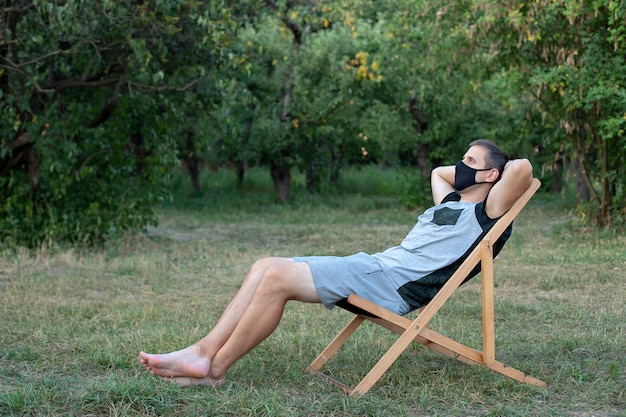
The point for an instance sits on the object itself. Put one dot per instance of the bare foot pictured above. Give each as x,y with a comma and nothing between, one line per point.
181,363
185,381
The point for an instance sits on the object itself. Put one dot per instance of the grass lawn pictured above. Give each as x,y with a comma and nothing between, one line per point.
72,321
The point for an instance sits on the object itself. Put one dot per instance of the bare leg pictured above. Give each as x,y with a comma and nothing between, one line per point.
281,283
270,283
195,360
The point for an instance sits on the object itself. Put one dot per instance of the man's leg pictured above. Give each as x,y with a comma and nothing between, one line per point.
270,280
282,282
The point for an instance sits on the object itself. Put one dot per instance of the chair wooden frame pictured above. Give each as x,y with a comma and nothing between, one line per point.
419,329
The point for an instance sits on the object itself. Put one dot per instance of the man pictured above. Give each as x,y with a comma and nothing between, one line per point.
401,278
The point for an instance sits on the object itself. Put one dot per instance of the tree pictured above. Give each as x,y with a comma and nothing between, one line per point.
320,99
88,95
570,56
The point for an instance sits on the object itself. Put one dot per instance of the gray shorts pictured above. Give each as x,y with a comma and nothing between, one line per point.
337,277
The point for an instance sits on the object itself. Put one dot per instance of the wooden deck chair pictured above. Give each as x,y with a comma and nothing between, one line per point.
419,329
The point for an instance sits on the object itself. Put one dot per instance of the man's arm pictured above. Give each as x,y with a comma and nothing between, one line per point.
516,178
442,182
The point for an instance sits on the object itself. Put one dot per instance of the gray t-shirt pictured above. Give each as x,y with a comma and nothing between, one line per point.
438,243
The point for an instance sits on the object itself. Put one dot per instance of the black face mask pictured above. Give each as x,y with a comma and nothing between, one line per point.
465,176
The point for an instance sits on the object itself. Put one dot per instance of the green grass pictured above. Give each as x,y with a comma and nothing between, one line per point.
72,321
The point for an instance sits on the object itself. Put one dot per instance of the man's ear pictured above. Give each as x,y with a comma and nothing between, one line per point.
494,175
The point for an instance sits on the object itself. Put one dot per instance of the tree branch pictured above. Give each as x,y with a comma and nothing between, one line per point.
15,66
156,89
21,140
81,82
107,110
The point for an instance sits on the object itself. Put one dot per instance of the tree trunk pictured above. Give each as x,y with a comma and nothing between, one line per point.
32,167
23,155
242,166
192,162
423,161
556,186
282,176
282,182
312,179
583,194
604,215
335,166
245,138
136,142
420,124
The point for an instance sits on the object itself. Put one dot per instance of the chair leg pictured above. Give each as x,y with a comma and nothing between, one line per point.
489,344
388,358
336,343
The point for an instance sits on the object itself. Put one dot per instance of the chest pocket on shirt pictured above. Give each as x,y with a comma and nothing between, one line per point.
446,216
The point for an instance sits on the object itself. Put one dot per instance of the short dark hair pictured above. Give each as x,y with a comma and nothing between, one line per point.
496,157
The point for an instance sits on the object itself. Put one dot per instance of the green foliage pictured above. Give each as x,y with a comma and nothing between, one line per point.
570,57
95,97
97,101
337,97
90,189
